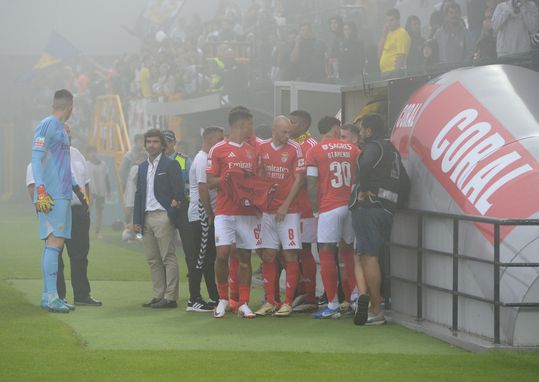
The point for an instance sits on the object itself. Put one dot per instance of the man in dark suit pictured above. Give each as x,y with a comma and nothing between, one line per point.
160,192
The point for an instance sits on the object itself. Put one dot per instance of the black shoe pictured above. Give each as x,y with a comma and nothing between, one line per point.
199,306
165,304
212,303
322,300
148,304
362,310
88,301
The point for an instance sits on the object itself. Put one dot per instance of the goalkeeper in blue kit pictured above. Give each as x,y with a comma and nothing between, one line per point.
52,197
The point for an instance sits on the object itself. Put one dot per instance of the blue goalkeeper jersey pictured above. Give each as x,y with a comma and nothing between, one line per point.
50,158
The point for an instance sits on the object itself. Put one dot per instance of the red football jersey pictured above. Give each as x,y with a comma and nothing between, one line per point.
225,157
280,164
304,203
335,162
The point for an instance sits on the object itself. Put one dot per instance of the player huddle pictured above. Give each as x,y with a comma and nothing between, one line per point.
278,197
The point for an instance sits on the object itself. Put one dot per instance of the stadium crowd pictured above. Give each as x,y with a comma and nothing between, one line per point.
247,49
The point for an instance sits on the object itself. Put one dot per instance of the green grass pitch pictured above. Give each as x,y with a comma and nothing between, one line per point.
123,342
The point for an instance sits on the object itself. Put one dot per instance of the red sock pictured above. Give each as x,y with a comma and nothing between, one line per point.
328,271
244,294
223,291
276,279
292,271
268,271
348,258
308,265
233,268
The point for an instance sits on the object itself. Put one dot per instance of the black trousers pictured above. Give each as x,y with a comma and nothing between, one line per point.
199,247
77,249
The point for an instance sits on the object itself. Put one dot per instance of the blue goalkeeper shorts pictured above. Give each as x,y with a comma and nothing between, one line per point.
57,221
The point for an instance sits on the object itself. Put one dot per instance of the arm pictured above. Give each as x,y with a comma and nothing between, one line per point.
500,16
204,195
214,182
299,182
31,189
294,55
44,202
30,182
124,169
177,183
137,223
366,162
107,183
382,42
404,49
530,13
400,61
312,191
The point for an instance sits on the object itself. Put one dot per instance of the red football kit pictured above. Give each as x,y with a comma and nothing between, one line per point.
335,161
279,164
225,157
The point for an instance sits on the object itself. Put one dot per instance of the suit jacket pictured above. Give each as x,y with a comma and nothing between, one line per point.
168,185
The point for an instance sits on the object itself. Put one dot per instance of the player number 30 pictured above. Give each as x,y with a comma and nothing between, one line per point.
342,174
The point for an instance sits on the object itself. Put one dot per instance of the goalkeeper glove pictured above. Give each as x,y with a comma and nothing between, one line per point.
44,201
81,196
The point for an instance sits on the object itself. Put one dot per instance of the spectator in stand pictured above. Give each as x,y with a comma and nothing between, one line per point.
414,61
145,78
309,54
485,48
394,44
435,22
453,39
99,175
166,83
229,30
336,29
285,69
350,55
430,56
476,13
513,22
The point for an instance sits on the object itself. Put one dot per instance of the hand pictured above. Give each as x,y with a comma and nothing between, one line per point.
281,213
82,197
227,177
211,219
175,204
273,188
136,228
361,196
44,202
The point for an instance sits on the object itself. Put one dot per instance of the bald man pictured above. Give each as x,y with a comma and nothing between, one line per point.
281,160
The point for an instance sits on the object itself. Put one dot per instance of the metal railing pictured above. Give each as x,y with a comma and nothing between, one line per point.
456,256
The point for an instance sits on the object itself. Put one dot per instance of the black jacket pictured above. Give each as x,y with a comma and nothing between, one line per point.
168,185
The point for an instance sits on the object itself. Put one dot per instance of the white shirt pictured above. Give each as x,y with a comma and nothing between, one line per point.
197,174
79,170
98,173
151,202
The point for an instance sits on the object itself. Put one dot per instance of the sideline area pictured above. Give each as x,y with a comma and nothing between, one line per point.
122,341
